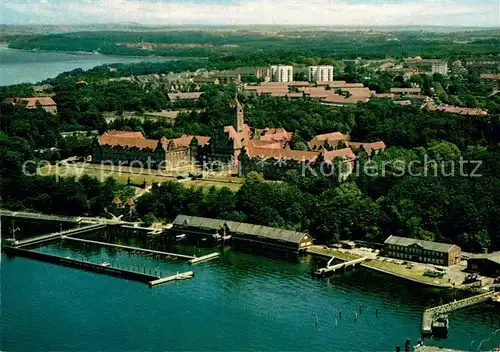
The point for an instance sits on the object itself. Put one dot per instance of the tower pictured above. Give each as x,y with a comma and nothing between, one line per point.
240,116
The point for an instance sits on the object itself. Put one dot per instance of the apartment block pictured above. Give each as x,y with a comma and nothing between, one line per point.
320,73
281,73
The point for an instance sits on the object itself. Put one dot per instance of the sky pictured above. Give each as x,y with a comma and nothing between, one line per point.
243,12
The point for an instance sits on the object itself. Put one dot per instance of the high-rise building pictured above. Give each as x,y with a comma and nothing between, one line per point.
321,73
282,73
440,67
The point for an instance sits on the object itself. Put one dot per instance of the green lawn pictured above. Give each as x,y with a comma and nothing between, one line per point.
101,172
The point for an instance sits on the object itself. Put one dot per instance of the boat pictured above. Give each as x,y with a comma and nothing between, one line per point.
440,325
180,237
105,264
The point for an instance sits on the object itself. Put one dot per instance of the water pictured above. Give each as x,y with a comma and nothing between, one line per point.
239,302
19,66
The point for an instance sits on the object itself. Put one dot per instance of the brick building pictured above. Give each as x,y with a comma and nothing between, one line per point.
416,250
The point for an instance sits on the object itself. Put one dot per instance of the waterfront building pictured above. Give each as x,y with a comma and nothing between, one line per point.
485,264
46,103
322,73
281,73
413,249
243,235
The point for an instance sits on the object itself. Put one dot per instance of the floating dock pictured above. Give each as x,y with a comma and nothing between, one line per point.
432,313
183,256
80,264
164,280
203,258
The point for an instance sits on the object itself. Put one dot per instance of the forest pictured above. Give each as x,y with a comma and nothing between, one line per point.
229,49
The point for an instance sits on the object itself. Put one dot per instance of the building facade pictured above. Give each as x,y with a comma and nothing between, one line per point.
281,73
322,73
416,250
46,103
485,264
243,235
134,150
440,67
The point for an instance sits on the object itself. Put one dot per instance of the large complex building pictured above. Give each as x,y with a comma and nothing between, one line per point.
239,147
416,250
243,235
281,73
46,103
133,149
320,73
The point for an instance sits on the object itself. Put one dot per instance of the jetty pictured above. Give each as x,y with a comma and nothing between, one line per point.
341,266
80,264
58,235
203,258
431,314
435,349
181,276
38,216
130,248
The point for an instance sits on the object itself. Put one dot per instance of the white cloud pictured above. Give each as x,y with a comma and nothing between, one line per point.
306,12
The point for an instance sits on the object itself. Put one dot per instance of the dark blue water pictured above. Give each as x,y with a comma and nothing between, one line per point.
19,66
238,302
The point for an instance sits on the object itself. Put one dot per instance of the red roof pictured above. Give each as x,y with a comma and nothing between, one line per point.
31,102
140,143
274,134
490,76
347,154
268,153
266,144
368,147
185,140
457,109
340,99
321,139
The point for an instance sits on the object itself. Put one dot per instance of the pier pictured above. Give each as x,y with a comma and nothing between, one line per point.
80,264
341,266
137,249
57,235
431,313
164,280
38,216
203,258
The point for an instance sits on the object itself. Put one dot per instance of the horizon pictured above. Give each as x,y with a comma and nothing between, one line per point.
228,13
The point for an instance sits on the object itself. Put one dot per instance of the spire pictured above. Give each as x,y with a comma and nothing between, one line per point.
236,102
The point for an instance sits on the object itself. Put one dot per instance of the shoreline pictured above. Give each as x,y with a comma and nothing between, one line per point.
5,45
428,284
347,256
